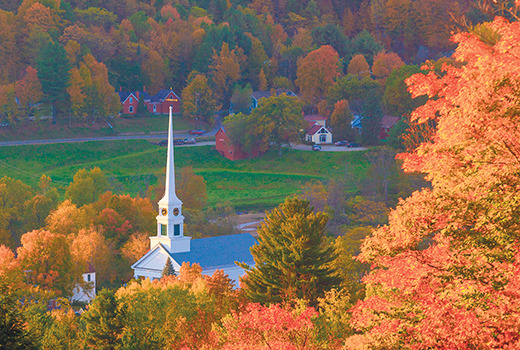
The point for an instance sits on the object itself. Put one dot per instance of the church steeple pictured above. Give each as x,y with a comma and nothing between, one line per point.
170,221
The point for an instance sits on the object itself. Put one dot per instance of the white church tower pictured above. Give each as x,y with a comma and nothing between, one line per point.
170,221
214,253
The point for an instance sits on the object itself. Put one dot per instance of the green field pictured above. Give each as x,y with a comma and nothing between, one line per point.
252,183
45,129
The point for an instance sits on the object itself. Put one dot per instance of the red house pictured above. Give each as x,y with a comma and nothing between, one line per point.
156,104
231,151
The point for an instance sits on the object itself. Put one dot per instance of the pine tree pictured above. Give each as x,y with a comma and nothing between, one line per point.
292,260
168,268
53,72
103,322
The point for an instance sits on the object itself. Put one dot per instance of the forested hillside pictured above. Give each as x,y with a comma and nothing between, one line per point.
74,55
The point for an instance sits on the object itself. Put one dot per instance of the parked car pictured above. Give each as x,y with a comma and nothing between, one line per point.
189,140
316,147
353,144
197,132
341,143
178,142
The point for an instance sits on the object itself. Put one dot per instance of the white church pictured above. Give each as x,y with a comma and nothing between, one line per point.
214,253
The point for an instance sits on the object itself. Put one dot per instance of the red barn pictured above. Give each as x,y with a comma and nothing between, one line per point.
227,149
156,104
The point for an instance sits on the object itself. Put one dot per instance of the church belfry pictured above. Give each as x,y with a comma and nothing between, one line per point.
170,221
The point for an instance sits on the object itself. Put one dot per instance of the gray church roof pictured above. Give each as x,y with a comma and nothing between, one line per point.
218,252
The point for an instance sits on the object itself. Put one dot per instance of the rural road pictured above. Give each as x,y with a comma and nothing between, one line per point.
157,136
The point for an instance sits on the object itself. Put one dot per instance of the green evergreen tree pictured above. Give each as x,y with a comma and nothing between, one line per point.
103,322
292,259
168,268
13,334
53,72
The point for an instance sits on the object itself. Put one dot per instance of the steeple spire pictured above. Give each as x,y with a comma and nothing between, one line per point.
170,197
170,221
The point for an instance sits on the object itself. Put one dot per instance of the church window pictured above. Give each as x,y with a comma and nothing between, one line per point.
88,277
177,230
164,230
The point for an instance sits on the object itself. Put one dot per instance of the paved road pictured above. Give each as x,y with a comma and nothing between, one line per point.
154,136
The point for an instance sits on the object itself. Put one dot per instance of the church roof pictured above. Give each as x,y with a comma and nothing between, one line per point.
218,252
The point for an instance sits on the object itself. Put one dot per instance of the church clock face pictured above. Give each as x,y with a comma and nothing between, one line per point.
164,211
175,211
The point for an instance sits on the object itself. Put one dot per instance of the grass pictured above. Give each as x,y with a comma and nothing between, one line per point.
44,129
247,184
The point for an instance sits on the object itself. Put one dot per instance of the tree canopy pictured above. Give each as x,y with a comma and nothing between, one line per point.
445,268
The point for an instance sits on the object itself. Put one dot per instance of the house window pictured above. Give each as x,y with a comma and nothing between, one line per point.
88,277
154,108
131,109
131,99
323,138
177,230
164,230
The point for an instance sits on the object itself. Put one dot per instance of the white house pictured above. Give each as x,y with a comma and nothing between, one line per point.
87,291
215,253
319,134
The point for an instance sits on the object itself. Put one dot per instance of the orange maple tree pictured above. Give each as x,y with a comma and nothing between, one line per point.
446,270
316,73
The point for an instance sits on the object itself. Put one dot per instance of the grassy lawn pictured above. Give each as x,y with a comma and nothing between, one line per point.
44,129
252,183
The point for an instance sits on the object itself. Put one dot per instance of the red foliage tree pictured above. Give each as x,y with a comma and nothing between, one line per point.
268,327
446,270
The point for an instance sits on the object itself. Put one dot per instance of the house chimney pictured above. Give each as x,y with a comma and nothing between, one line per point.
137,95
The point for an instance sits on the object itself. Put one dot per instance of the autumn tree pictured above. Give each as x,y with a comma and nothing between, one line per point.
317,72
385,63
29,90
225,72
8,108
197,99
192,189
268,327
456,243
292,260
397,100
101,99
278,120
358,65
87,186
46,258
340,120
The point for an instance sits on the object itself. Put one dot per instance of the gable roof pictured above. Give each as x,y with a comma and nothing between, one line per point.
218,252
124,95
162,94
317,127
388,121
